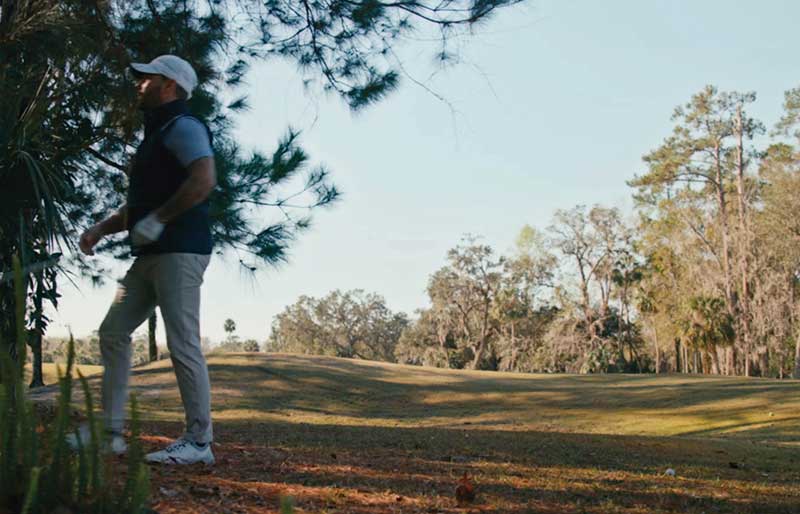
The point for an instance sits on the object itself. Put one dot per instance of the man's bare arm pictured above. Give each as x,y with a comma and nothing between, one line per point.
117,222
202,180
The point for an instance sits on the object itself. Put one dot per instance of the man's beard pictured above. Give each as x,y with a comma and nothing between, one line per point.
148,100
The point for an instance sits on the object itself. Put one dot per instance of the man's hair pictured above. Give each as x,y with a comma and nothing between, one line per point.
180,92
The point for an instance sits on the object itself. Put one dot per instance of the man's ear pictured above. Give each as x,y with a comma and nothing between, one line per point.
169,85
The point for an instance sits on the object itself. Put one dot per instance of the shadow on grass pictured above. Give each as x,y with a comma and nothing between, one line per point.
367,392
410,432
515,472
355,389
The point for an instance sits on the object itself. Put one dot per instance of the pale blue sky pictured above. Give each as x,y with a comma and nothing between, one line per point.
556,102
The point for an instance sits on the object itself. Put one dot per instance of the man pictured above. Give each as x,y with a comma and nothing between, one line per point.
166,214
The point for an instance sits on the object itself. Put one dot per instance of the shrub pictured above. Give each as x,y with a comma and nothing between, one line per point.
38,472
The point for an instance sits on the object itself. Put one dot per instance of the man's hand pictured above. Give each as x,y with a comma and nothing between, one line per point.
89,239
147,230
111,225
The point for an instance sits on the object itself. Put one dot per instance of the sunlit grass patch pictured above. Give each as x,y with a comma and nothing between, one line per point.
50,374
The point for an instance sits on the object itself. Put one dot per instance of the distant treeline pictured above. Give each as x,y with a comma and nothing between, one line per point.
704,278
87,349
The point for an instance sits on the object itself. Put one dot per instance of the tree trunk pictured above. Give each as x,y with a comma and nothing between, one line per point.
764,362
686,359
744,237
796,369
37,380
796,372
747,358
151,336
484,342
722,205
476,360
678,360
8,330
715,364
514,349
730,359
658,350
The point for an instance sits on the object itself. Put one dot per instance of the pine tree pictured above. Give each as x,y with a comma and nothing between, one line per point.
68,121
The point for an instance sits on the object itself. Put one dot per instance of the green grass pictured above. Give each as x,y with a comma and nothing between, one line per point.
50,373
345,392
351,436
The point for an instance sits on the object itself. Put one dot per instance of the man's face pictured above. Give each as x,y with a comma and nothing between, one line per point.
150,91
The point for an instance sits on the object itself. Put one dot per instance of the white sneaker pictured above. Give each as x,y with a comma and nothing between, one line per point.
182,452
116,444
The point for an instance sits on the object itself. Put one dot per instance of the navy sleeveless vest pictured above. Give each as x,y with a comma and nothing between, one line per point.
155,176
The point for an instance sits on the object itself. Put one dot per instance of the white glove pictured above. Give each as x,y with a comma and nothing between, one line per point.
147,230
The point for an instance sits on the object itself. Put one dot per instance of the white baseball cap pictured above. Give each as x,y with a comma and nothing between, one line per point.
172,67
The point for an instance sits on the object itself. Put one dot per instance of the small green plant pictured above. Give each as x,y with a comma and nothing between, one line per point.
38,472
287,505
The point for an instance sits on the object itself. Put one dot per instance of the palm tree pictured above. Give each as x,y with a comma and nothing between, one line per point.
709,327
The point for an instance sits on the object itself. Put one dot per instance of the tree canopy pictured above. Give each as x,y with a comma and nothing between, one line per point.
68,122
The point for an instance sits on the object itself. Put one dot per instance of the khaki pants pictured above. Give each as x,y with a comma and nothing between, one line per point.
172,281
